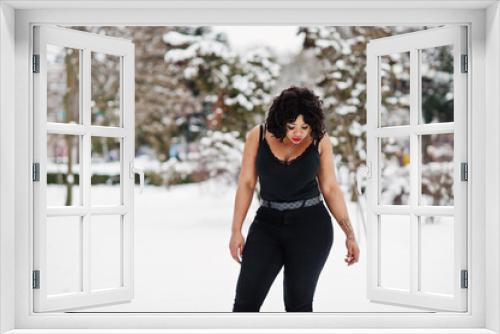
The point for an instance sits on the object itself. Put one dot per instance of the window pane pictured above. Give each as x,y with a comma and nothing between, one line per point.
64,255
105,88
436,68
63,170
395,170
395,251
106,264
105,171
395,89
437,169
63,84
436,254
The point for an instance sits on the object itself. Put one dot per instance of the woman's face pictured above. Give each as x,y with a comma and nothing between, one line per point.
297,130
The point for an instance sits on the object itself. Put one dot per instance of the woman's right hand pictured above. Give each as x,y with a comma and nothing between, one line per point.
236,243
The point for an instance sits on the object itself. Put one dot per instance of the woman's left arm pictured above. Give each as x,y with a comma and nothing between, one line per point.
334,197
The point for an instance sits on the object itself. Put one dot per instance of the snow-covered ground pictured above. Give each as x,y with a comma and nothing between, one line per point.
183,264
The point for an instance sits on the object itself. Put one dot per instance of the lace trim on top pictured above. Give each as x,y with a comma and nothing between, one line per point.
288,162
262,137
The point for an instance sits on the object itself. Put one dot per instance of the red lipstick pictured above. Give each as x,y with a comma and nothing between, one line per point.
295,139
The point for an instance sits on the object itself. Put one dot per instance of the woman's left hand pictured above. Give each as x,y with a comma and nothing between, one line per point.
352,252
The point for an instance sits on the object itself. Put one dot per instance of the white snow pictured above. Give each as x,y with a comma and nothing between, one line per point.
175,38
183,264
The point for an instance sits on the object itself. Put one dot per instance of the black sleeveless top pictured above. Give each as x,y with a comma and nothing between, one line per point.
283,181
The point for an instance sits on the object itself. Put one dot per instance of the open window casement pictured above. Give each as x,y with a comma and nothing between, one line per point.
417,159
83,112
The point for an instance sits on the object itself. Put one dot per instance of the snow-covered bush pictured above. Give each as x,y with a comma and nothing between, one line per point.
218,155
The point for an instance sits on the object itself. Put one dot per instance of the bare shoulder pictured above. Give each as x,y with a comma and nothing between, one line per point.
324,144
252,141
253,134
248,174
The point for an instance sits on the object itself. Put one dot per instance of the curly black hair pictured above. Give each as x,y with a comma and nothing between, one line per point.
291,103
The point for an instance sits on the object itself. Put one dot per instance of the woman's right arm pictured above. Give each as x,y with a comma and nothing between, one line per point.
245,190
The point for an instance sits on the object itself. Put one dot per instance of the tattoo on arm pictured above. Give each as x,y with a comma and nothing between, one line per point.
347,228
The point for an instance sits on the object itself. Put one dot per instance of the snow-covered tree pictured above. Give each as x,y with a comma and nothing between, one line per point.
161,99
234,88
342,85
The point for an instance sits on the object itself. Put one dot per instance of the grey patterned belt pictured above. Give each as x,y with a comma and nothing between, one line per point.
291,205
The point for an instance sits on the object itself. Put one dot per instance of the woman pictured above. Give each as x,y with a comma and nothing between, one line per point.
292,228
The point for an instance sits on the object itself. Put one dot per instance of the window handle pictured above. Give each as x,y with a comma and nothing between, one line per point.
134,170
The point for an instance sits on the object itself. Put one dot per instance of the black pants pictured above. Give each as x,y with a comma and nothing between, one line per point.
298,239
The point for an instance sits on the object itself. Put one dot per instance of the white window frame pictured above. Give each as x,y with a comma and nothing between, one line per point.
16,214
412,132
84,131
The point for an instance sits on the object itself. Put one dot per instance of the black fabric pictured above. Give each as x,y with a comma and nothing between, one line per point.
299,240
287,181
